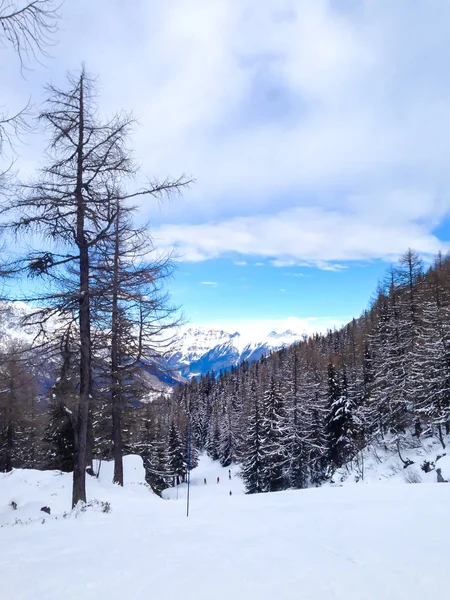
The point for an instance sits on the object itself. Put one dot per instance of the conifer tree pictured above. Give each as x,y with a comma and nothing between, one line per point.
213,438
60,429
226,439
274,428
176,458
74,204
340,419
133,311
431,355
294,379
18,433
253,459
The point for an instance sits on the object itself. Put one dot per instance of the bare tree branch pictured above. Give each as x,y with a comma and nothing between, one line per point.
28,27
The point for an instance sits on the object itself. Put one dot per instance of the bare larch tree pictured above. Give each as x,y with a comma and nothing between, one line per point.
72,206
133,312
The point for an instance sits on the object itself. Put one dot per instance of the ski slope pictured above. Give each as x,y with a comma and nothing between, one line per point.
368,542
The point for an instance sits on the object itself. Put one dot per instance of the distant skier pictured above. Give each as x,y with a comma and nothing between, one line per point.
231,493
229,473
218,479
204,480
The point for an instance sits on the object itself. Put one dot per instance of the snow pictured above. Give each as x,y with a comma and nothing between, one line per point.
11,329
197,341
381,463
212,491
355,542
197,344
31,490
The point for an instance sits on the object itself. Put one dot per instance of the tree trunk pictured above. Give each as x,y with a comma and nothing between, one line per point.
9,444
115,377
10,427
440,436
79,472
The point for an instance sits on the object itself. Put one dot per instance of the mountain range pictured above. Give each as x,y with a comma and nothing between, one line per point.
196,350
199,350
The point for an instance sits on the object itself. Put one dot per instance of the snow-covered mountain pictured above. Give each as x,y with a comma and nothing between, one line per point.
196,350
12,330
199,350
157,378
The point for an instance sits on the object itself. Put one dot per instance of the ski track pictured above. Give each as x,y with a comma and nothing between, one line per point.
372,542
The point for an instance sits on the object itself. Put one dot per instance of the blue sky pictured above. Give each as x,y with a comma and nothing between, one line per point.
228,294
318,133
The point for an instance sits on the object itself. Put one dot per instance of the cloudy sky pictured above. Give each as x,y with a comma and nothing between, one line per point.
318,133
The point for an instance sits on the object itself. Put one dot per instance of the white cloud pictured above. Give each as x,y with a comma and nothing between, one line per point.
304,236
241,263
212,283
336,267
286,262
318,131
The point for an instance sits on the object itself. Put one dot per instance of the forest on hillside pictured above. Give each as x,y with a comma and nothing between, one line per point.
294,417
290,419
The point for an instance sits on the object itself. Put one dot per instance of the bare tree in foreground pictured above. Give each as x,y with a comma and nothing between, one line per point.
73,207
134,315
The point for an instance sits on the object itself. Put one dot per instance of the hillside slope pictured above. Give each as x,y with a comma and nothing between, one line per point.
362,542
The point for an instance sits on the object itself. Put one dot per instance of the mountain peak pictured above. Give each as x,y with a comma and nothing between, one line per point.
200,349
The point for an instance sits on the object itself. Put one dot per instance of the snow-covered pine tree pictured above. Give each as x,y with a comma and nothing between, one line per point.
226,438
213,437
389,355
431,354
314,399
409,282
253,459
176,457
157,474
293,384
148,439
340,424
274,440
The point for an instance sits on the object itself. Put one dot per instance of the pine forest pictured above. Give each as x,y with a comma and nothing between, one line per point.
289,420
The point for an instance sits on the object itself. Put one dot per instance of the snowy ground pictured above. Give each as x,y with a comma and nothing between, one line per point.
380,463
357,542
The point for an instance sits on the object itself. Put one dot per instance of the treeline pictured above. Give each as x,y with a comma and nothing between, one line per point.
294,417
37,429
290,419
